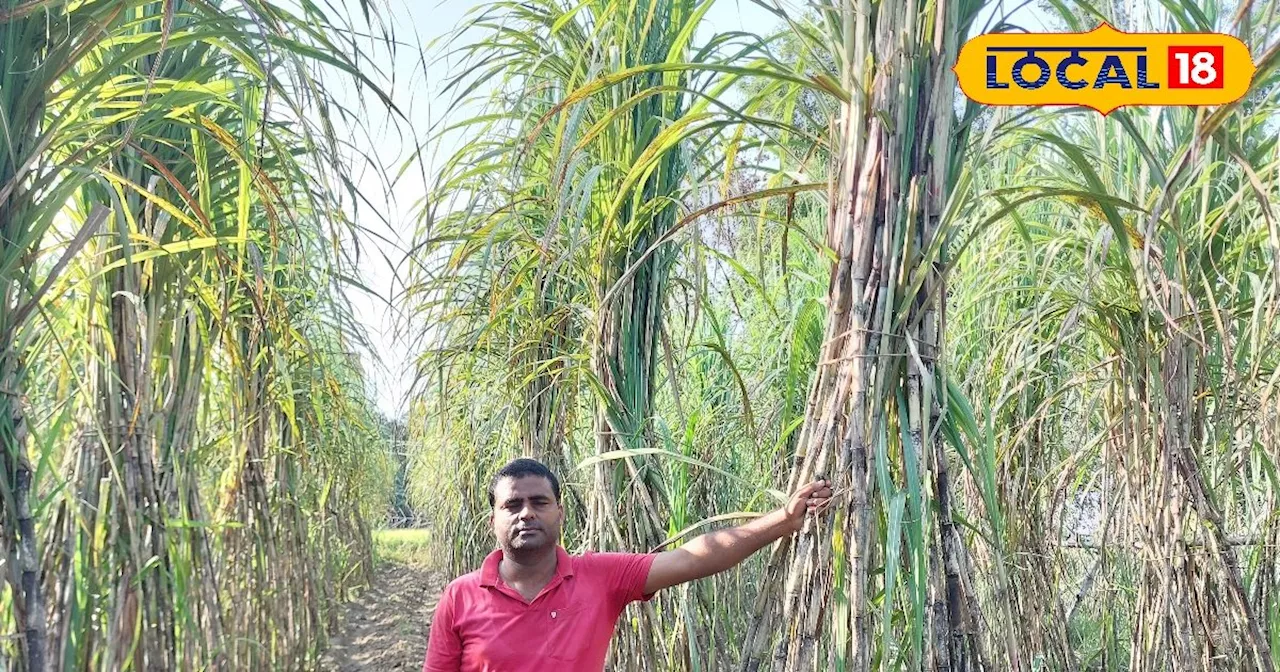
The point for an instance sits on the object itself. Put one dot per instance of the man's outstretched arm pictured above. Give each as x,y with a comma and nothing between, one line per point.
717,551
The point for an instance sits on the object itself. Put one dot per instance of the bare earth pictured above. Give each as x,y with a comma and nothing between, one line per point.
385,628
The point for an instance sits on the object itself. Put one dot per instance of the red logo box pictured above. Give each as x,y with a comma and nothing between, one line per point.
1192,67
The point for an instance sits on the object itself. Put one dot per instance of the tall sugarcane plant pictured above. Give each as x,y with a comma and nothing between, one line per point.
877,398
38,43
170,217
1132,376
549,250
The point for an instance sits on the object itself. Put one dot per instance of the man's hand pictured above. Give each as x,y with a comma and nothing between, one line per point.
810,498
717,551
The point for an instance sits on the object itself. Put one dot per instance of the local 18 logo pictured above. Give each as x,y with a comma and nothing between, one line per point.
1104,69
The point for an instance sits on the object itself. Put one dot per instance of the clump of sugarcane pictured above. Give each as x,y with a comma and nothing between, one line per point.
138,125
38,45
874,407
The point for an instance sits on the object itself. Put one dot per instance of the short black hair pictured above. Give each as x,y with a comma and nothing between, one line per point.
521,467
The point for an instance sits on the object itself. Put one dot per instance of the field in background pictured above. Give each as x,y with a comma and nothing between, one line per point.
406,547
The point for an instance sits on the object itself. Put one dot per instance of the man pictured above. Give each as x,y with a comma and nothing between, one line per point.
531,606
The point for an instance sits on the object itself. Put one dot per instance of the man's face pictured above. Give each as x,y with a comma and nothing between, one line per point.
526,516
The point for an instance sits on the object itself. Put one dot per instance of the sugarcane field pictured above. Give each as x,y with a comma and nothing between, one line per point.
640,335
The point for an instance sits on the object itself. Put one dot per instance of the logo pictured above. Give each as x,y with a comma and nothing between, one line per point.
1104,69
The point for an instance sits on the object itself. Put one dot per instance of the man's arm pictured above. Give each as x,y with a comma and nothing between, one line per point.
717,551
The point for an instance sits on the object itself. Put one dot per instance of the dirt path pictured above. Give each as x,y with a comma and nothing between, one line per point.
386,627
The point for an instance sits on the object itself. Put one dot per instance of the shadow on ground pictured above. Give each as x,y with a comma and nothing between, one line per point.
385,628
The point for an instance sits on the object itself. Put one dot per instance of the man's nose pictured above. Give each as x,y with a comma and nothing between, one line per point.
526,512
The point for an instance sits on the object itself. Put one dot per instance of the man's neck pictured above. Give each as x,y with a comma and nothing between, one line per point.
528,572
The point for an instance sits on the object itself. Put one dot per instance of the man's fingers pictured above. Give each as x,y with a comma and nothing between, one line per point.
817,489
819,483
815,494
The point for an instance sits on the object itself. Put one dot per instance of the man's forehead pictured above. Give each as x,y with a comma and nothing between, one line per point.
523,486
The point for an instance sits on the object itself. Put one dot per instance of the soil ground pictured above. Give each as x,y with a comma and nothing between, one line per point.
385,628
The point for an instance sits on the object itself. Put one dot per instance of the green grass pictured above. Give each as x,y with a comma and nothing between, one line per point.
408,547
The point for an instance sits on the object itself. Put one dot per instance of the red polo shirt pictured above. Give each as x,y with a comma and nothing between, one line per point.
483,625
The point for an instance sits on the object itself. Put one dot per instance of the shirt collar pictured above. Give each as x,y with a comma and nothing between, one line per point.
489,570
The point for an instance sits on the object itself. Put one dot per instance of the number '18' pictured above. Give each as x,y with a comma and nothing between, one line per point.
1202,71
1195,67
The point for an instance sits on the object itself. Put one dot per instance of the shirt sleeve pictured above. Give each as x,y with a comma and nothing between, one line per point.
444,647
626,575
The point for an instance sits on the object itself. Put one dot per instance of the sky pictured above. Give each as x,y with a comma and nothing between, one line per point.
415,89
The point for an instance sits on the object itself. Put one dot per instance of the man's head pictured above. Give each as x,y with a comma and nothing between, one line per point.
526,512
